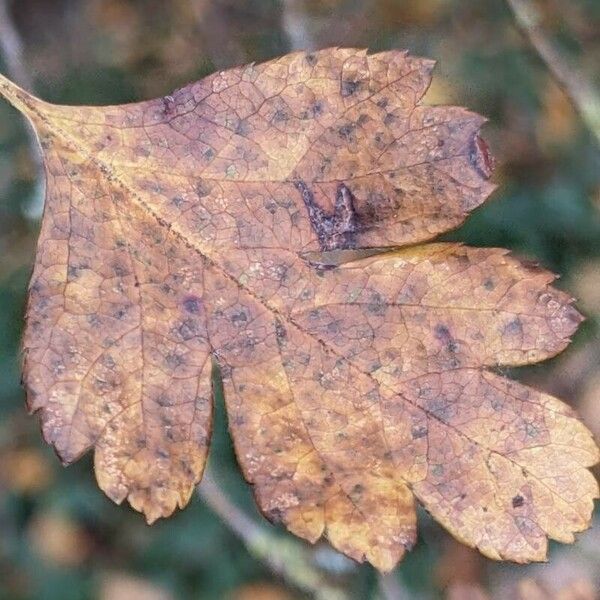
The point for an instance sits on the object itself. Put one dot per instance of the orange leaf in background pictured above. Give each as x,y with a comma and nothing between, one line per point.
217,224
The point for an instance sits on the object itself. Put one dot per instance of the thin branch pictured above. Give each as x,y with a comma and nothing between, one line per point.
11,47
391,588
287,558
295,25
583,95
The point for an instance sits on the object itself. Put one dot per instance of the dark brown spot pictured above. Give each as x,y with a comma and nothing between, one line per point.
514,327
440,408
442,333
418,432
119,270
346,131
518,501
281,273
274,515
168,105
317,108
120,313
192,304
163,400
242,128
437,470
174,360
532,430
93,319
280,116
239,317
377,305
349,88
280,332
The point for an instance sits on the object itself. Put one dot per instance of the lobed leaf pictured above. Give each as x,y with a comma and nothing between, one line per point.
219,224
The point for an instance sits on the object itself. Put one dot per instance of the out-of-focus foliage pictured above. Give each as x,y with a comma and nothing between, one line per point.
59,537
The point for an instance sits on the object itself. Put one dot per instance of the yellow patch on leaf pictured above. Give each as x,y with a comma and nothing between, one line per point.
219,224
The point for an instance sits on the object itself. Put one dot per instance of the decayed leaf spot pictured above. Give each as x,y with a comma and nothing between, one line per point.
217,224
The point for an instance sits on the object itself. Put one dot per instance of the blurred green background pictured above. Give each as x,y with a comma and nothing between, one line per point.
60,537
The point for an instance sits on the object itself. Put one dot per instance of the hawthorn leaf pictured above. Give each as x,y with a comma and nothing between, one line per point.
221,224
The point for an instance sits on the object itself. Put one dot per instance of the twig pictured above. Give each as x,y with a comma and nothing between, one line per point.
11,47
294,23
391,588
286,558
584,97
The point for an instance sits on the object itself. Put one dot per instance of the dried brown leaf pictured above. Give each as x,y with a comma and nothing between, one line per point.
190,228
